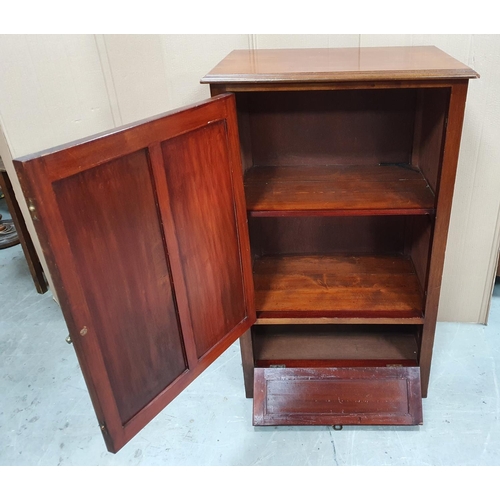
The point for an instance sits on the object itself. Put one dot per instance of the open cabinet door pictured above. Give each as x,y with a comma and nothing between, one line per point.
144,230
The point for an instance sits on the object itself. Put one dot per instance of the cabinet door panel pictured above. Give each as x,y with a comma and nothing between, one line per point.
144,229
110,241
201,200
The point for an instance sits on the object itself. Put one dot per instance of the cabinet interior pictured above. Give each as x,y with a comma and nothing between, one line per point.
295,346
340,267
400,127
340,189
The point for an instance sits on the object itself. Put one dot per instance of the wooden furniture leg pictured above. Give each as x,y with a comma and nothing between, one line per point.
248,362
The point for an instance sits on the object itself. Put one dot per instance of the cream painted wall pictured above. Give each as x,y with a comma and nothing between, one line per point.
52,90
59,88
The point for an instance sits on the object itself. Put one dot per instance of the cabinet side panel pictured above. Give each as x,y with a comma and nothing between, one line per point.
244,130
202,202
109,213
453,134
420,246
432,109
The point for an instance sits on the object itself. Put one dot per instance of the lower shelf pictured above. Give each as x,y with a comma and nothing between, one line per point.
337,396
337,289
335,345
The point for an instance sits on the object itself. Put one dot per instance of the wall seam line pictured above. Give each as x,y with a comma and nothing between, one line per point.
107,72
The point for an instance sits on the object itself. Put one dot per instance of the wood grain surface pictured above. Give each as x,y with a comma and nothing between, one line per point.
335,345
144,230
363,286
351,64
337,396
337,190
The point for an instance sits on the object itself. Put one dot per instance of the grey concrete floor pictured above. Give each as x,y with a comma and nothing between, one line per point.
46,417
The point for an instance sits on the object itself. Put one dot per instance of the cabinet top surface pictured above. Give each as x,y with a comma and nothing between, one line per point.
340,64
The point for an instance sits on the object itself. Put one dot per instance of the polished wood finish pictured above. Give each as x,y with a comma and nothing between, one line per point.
337,190
23,234
201,202
344,64
292,105
337,286
330,235
247,359
224,88
450,149
315,128
158,282
430,120
134,279
419,231
110,250
337,396
335,345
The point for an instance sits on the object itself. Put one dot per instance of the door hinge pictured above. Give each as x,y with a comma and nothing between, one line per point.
32,209
103,428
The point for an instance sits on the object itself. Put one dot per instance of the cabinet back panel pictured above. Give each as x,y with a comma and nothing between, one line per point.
123,270
324,235
334,345
331,127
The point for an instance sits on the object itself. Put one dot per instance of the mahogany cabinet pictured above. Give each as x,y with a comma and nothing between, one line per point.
304,208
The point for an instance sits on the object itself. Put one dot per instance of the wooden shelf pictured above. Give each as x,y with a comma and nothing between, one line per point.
337,289
337,190
335,345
